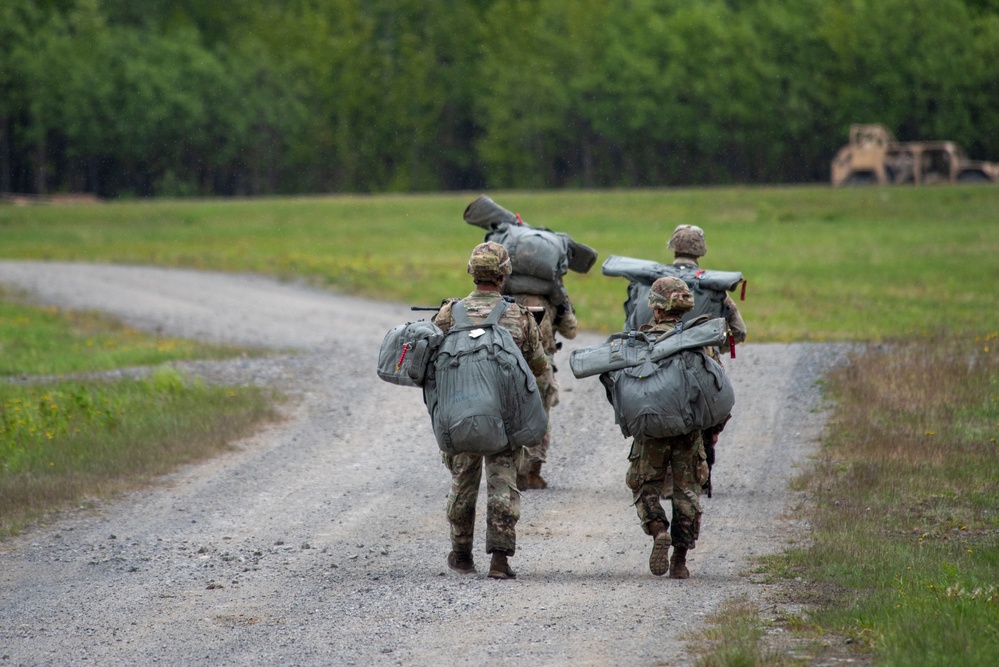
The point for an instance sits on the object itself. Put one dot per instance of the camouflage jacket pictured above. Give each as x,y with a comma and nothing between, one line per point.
560,320
517,320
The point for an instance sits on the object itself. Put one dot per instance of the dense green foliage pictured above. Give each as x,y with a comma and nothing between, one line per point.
158,97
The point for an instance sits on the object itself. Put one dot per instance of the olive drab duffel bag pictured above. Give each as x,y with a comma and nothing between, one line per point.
481,395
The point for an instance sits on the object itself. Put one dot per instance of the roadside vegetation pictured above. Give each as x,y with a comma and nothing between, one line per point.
69,441
900,566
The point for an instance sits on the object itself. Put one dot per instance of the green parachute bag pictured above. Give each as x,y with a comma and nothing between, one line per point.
481,395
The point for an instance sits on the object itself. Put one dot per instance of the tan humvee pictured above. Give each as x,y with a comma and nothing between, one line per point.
873,156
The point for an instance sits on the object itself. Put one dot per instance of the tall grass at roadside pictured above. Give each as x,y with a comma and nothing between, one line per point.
50,340
904,552
66,442
822,263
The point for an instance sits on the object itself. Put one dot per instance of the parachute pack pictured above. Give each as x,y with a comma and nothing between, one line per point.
662,385
481,395
709,287
539,257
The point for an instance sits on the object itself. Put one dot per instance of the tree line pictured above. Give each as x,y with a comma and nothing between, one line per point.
198,97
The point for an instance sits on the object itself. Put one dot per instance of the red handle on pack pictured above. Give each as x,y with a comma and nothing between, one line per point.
405,349
731,344
743,297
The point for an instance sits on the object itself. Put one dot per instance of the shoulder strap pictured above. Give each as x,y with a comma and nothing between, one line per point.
459,314
496,313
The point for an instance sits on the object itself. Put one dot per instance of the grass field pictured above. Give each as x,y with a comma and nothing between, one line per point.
822,264
903,558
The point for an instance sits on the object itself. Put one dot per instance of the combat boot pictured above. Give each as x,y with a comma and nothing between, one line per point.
461,562
533,479
678,564
659,560
499,568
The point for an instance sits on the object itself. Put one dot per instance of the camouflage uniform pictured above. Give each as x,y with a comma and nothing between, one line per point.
652,460
503,505
560,320
688,244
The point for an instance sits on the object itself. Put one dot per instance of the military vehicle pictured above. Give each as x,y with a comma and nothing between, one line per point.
873,156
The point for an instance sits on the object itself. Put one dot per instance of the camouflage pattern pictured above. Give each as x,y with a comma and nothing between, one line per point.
688,240
650,462
502,506
489,262
680,458
518,321
559,320
671,294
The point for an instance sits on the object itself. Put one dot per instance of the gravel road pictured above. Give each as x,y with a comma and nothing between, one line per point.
322,539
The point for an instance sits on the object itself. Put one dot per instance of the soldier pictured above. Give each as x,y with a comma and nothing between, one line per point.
557,319
652,459
688,245
489,265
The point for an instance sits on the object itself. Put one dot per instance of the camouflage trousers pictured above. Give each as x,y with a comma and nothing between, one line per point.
651,462
502,499
548,386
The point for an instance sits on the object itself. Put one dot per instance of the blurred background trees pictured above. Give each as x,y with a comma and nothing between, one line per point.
198,97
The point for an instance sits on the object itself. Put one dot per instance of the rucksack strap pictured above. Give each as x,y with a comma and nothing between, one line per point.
461,317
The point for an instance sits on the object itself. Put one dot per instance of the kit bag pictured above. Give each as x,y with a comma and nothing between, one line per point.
406,351
481,395
708,287
672,387
539,257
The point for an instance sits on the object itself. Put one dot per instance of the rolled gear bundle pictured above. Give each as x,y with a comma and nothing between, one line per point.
485,213
709,287
635,349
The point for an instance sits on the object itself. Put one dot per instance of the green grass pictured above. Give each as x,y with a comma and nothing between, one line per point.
52,341
822,264
904,552
63,441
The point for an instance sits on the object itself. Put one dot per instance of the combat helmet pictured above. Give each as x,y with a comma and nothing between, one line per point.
671,294
688,240
490,262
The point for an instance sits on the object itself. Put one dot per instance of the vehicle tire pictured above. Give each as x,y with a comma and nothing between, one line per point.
860,179
972,177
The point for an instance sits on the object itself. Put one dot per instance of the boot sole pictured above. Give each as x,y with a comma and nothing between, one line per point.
659,560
